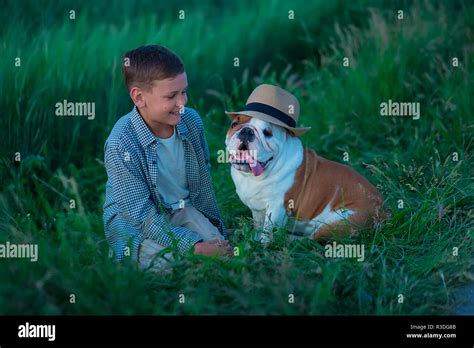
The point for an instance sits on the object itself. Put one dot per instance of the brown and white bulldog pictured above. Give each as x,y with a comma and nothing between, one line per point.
286,185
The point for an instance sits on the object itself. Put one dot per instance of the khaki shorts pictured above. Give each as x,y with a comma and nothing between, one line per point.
188,217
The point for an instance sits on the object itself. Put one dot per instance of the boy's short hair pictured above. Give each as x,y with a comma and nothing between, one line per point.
143,65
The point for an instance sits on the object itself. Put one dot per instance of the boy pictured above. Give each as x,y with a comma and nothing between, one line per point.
159,189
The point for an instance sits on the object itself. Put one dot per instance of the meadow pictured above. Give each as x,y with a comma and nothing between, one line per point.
423,252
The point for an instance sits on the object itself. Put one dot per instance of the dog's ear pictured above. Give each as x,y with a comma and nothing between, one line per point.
239,118
234,120
289,133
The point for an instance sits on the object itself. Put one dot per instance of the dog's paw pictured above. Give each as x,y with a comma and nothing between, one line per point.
263,238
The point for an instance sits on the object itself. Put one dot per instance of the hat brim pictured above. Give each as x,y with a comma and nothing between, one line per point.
298,131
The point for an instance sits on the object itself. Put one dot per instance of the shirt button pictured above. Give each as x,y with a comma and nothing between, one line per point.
154,186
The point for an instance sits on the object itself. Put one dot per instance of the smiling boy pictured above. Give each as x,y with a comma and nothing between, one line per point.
159,191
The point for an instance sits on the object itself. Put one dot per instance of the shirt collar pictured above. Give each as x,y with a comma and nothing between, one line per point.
181,128
145,136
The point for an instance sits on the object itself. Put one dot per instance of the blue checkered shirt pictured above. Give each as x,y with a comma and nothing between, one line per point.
134,209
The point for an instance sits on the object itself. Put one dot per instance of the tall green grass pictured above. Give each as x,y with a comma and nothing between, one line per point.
79,60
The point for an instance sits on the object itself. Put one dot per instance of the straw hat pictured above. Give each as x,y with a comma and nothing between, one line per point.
275,105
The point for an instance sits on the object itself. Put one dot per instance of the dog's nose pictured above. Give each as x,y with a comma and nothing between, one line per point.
246,135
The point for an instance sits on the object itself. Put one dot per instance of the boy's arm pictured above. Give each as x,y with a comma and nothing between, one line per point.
205,148
131,195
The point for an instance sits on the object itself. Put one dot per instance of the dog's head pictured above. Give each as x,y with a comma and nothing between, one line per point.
253,144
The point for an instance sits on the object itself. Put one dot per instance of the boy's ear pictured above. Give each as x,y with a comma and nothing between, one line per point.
137,96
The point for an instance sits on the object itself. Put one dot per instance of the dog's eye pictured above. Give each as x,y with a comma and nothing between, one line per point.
267,132
233,124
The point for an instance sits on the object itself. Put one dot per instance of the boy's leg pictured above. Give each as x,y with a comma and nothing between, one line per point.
147,257
188,217
193,219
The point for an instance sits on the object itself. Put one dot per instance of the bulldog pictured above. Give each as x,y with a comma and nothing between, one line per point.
287,185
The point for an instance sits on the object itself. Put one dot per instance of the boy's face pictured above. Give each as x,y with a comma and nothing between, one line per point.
161,105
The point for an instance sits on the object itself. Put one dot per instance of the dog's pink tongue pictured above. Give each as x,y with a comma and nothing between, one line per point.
255,166
257,169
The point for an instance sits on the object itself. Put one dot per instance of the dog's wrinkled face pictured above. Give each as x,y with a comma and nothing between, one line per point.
254,145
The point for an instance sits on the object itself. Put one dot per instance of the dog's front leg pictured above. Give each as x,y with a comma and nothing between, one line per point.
275,216
258,219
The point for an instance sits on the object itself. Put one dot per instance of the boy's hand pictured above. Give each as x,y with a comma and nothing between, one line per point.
213,247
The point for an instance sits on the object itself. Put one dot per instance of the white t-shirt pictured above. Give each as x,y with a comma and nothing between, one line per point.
172,181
